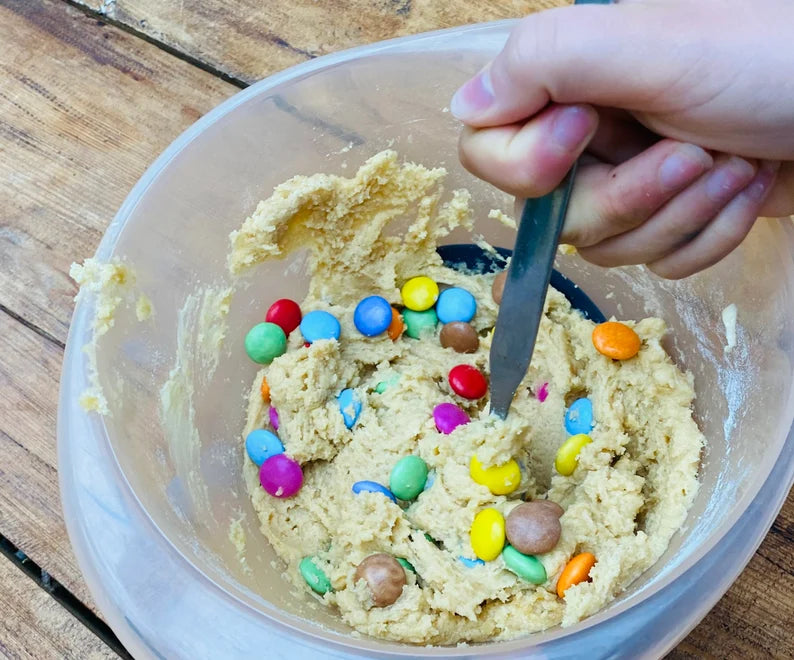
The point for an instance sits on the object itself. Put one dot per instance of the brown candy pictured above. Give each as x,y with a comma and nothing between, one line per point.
459,336
498,287
552,506
533,528
384,576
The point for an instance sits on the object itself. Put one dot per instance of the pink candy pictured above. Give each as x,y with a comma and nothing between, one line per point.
281,476
448,417
273,414
543,392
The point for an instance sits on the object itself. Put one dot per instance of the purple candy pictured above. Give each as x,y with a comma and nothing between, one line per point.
448,417
281,476
543,392
273,414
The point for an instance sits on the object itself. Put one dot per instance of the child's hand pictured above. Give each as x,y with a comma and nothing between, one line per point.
613,80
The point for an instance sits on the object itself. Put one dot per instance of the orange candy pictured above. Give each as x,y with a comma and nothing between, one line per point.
616,340
396,326
265,389
577,570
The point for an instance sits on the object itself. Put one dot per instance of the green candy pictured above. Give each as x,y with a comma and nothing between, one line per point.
407,565
314,576
383,385
527,567
265,342
408,478
416,322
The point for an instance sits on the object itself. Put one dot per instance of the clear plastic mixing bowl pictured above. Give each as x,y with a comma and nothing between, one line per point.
158,560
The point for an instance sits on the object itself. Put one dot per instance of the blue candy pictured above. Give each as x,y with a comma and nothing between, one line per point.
455,304
372,316
261,444
319,325
431,479
373,487
579,417
471,563
349,406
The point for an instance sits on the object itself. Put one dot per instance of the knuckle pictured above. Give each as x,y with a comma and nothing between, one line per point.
668,271
533,41
733,233
580,232
530,182
600,257
464,155
475,153
621,208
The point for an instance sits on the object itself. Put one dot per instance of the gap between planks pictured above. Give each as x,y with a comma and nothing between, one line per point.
61,596
102,17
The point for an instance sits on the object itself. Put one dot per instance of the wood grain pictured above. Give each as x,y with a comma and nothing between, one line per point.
30,508
36,627
755,618
249,39
84,108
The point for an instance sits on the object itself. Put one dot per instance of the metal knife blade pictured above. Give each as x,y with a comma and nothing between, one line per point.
525,292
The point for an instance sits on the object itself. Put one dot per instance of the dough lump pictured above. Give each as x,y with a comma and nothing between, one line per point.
629,494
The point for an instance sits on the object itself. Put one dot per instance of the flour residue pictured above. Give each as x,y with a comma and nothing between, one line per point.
729,321
237,538
143,308
201,330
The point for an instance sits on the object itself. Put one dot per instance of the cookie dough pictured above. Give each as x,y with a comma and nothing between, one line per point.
112,283
627,497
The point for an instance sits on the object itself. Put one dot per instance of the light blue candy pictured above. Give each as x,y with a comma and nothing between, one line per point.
318,325
579,417
261,444
373,487
455,304
372,316
349,406
431,479
470,563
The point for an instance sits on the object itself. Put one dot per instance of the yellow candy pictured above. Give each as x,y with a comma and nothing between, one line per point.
568,453
419,293
500,479
488,534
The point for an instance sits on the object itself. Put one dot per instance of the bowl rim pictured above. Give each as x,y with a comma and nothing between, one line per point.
497,30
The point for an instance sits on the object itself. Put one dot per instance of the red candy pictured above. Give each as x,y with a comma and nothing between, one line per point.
467,381
285,313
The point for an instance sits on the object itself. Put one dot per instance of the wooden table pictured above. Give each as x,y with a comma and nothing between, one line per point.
90,92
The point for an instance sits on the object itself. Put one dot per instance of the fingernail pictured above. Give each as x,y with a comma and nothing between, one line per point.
759,186
474,97
683,166
728,179
571,127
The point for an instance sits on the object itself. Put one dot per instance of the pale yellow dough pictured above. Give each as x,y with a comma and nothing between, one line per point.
628,496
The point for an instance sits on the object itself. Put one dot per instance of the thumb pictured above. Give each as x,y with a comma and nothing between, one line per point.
578,54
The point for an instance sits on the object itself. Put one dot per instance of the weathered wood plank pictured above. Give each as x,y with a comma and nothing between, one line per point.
249,39
755,618
84,108
30,507
35,627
